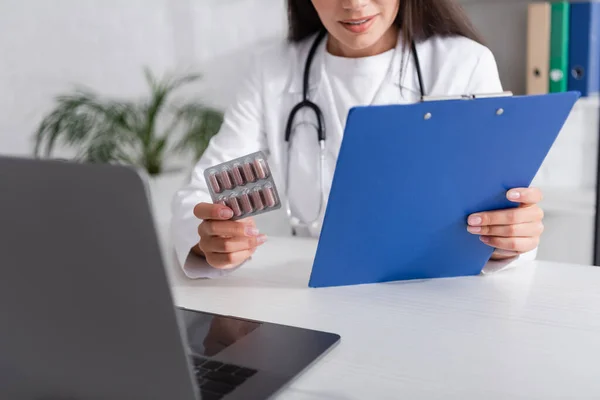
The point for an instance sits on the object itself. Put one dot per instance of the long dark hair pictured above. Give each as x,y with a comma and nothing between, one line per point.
417,19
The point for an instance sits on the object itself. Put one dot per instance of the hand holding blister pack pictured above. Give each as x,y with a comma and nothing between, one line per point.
244,184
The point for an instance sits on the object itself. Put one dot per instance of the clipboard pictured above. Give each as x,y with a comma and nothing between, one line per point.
408,176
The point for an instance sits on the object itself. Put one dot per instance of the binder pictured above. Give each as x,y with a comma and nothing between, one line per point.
538,48
408,176
584,48
559,47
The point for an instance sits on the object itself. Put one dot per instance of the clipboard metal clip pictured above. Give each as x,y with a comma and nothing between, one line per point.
467,96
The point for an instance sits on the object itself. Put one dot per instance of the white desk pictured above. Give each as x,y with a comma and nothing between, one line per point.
527,333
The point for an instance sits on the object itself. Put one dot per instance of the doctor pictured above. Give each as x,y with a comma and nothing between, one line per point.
356,52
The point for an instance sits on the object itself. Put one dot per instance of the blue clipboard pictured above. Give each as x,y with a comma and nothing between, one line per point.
408,176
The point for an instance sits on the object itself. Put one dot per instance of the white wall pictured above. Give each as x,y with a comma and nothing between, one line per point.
503,27
46,47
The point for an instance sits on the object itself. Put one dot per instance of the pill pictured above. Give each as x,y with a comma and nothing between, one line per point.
245,202
257,200
214,183
269,196
236,172
222,202
233,203
260,167
248,172
226,179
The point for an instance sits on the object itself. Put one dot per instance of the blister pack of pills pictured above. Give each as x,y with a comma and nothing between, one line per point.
244,184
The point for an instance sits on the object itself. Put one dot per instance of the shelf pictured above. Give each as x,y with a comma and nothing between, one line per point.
508,2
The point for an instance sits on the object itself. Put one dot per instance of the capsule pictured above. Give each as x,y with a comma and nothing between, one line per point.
232,202
226,180
214,183
269,196
238,178
245,202
260,168
248,172
257,201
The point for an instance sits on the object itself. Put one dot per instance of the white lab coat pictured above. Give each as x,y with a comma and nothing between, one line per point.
273,86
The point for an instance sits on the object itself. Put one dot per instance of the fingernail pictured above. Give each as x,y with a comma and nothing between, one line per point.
475,220
474,229
226,213
514,195
485,239
261,239
251,231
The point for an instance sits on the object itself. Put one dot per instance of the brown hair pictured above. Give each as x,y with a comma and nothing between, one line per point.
417,19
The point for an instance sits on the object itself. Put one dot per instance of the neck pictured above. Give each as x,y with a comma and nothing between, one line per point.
387,42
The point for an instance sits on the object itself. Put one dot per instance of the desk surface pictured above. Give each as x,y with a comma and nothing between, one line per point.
531,332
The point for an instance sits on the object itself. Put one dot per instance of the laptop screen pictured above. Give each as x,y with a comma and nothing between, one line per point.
209,334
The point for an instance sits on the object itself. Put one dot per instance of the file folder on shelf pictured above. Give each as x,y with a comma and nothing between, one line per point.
538,48
559,47
408,176
584,48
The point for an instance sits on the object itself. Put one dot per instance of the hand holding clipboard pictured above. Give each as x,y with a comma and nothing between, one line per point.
510,231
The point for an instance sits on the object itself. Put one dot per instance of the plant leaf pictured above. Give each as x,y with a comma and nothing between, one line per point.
202,124
108,130
149,78
79,117
153,160
101,152
160,91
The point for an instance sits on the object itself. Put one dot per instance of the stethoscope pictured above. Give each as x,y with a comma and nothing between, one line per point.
306,103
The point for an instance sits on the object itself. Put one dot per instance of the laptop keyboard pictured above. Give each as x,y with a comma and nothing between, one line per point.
216,379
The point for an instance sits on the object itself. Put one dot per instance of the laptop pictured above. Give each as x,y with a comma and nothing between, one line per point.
86,307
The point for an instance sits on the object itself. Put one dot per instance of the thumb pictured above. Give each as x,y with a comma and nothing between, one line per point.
212,211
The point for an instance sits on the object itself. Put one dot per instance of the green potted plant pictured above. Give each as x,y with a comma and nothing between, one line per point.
159,136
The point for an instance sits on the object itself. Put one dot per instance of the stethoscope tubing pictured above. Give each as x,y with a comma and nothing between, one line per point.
306,103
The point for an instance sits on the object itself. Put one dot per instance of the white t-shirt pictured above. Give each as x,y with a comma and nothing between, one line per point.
356,81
